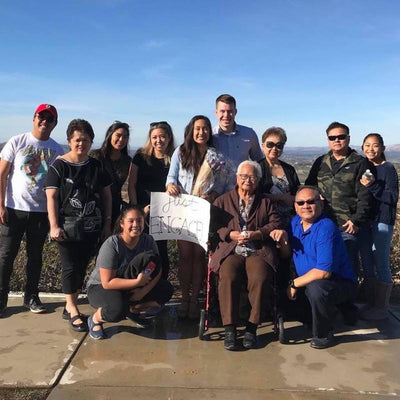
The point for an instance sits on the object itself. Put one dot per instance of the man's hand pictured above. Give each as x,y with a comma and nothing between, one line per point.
3,216
280,237
350,227
291,293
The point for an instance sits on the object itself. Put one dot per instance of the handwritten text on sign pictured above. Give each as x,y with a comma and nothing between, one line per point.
183,217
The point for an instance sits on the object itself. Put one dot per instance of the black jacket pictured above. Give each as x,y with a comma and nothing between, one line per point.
266,180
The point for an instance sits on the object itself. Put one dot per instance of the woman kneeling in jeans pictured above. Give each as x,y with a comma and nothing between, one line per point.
113,286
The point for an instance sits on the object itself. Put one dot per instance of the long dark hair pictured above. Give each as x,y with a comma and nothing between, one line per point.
380,140
122,215
105,148
191,157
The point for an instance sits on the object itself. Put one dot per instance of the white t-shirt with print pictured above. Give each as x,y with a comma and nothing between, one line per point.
30,159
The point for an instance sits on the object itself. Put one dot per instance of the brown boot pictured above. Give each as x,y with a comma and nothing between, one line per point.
381,306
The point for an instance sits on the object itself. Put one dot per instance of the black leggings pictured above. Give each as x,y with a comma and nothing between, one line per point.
114,303
75,257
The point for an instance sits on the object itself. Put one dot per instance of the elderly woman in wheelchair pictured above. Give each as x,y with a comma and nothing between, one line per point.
244,220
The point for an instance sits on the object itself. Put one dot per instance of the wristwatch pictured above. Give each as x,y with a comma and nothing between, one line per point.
292,285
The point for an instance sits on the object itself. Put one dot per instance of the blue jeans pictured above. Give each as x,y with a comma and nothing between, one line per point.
375,241
35,226
351,242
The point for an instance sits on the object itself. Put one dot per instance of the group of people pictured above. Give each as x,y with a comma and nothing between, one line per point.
263,219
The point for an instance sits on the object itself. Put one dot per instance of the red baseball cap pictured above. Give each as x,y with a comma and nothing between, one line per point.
47,107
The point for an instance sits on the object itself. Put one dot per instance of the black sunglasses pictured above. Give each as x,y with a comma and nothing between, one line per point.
45,117
278,145
309,202
339,137
158,123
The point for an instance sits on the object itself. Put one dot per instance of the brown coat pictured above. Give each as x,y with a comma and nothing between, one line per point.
225,218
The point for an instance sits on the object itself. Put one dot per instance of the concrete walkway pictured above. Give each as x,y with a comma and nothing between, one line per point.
168,361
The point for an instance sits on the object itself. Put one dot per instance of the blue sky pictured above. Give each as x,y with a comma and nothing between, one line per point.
293,63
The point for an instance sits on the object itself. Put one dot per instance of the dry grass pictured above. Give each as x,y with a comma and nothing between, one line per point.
395,260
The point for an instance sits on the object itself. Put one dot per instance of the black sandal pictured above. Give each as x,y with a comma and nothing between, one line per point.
82,327
65,314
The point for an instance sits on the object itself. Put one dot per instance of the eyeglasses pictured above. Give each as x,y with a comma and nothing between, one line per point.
158,123
251,178
339,137
46,117
278,145
309,202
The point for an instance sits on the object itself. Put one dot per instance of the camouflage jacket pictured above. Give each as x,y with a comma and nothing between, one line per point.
345,197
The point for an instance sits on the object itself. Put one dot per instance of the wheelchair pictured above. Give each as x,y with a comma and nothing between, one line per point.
210,314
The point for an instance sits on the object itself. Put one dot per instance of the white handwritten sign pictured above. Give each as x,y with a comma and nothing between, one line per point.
183,217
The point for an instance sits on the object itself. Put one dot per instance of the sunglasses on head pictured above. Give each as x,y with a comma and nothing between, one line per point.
309,202
159,123
278,145
339,137
46,117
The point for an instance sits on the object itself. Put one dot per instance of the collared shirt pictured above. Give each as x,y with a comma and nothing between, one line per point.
238,146
321,246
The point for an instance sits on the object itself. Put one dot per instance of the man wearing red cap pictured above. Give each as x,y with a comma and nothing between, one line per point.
24,163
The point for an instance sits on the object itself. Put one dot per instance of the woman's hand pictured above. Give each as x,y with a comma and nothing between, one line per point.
146,209
244,237
143,279
236,236
57,234
173,190
240,237
366,181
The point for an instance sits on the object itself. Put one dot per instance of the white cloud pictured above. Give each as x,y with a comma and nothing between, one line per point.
154,44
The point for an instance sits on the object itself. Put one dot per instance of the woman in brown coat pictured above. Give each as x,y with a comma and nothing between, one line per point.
245,220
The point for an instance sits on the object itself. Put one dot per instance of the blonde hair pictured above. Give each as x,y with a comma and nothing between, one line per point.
147,150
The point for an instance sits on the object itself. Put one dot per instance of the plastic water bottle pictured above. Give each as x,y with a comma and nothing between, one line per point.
369,175
245,235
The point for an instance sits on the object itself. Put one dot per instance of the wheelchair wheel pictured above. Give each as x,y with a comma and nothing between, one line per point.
202,324
281,330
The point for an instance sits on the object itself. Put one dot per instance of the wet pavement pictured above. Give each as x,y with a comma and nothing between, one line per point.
168,361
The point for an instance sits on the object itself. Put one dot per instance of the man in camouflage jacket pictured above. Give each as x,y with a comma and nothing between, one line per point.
337,175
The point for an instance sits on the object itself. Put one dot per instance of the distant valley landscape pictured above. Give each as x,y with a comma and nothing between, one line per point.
303,157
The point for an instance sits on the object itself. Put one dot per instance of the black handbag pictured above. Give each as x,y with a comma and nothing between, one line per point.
73,228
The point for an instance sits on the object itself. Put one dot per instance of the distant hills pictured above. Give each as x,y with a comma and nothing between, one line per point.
304,153
311,152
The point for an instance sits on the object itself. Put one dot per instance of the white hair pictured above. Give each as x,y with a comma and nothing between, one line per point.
253,164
